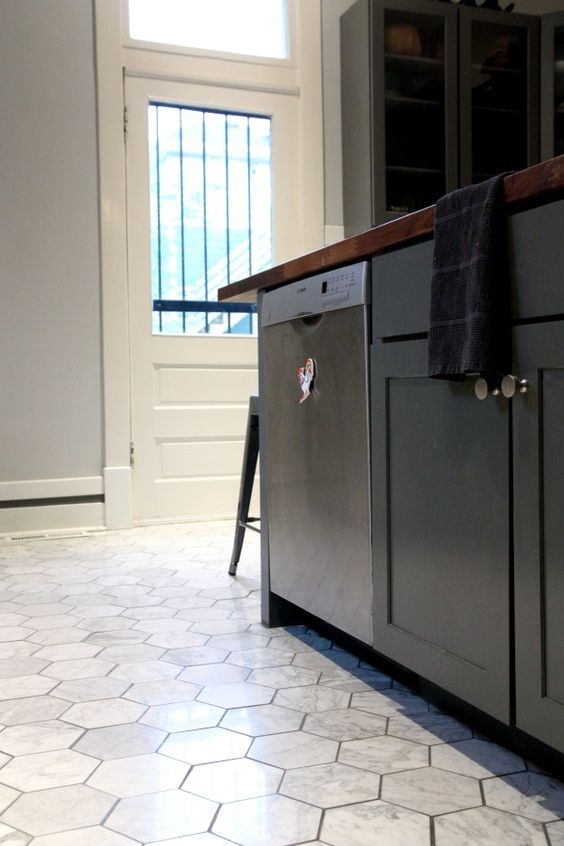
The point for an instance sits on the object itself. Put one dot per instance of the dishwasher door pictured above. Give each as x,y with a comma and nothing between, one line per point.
318,467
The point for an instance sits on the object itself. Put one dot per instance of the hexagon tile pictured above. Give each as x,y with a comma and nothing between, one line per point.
142,703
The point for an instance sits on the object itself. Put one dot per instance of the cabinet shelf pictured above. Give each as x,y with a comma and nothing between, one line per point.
497,71
498,110
427,61
399,99
414,170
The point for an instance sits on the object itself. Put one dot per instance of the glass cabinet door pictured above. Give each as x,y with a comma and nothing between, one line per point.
498,100
415,115
552,85
558,101
435,96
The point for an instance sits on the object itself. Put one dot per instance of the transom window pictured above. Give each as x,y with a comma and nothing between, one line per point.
249,27
210,188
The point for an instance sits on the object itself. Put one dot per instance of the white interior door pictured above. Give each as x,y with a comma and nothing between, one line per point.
189,394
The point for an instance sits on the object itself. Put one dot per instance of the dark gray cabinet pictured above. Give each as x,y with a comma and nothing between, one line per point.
468,546
537,253
433,97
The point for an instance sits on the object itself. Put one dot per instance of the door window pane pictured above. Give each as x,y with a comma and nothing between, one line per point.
210,191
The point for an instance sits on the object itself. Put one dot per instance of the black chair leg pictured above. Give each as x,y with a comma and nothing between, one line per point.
250,457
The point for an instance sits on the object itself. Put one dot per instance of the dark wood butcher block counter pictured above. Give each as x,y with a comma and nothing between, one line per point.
532,186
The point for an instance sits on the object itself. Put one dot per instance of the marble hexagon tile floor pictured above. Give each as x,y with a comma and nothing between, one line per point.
141,702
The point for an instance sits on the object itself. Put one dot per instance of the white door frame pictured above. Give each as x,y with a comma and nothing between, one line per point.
113,263
302,73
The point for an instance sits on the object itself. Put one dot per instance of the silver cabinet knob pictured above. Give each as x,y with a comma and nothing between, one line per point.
511,385
481,388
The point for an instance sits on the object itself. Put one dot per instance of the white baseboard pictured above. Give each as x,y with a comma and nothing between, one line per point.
116,512
118,498
46,518
170,521
51,488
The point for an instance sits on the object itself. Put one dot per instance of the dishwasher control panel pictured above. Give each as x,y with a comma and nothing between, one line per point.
341,287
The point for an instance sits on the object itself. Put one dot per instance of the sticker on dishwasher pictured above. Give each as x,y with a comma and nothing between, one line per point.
306,378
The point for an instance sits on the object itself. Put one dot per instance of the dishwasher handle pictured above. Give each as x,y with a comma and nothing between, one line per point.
310,315
306,320
333,290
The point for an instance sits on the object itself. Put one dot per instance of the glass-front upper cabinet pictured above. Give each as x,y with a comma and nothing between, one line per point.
498,83
415,107
434,96
552,85
399,123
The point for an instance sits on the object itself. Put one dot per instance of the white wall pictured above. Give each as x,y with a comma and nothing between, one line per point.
64,340
50,332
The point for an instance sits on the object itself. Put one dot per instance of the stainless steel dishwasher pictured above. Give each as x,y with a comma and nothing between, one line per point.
315,337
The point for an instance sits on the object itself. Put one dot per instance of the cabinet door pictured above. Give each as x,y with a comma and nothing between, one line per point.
539,538
440,527
552,85
414,90
498,93
399,89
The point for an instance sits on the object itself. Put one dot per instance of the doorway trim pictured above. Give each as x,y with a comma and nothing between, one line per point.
112,59
113,265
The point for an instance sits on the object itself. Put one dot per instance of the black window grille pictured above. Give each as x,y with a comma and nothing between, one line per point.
210,192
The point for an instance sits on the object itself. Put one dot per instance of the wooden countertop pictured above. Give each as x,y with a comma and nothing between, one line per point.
527,187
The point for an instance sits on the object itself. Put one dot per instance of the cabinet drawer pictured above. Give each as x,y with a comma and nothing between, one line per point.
401,279
401,285
536,260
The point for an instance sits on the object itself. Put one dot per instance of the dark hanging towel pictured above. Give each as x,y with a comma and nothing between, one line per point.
470,320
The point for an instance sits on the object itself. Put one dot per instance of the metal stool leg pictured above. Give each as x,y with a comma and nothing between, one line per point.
250,457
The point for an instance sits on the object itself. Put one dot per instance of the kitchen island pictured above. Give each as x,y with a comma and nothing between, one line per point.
467,495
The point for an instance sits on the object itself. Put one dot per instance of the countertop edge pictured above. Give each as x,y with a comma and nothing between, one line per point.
528,186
